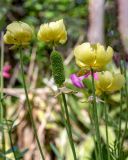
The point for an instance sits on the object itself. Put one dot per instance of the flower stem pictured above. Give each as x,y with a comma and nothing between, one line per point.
120,121
63,115
106,129
96,122
1,93
29,106
11,143
92,124
69,130
124,71
1,78
9,130
65,123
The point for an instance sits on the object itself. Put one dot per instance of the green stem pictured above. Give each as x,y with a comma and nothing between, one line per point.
69,126
63,115
10,138
11,143
124,71
92,124
65,122
9,130
96,122
120,122
1,77
106,129
1,93
29,107
126,94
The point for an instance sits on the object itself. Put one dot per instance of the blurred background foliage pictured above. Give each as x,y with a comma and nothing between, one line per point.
46,109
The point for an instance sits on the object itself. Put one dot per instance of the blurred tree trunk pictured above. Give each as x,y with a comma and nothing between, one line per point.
96,21
123,22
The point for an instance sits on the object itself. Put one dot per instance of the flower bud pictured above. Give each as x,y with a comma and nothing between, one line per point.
57,68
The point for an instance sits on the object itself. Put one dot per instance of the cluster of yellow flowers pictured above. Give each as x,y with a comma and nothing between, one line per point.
96,57
87,56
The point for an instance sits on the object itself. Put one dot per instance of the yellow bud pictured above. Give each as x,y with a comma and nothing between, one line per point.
92,56
53,32
18,33
108,82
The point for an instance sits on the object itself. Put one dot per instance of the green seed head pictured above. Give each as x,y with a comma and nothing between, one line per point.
57,68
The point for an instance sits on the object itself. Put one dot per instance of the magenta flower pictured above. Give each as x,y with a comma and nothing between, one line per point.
6,70
77,81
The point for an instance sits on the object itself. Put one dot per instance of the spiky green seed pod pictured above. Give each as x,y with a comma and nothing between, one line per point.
57,68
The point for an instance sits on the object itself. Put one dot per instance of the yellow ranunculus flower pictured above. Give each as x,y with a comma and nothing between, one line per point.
53,32
92,56
108,82
18,33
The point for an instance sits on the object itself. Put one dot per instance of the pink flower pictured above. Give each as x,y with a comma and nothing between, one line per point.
6,70
77,81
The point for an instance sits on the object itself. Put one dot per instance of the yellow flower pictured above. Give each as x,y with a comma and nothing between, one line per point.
108,82
18,33
92,56
53,32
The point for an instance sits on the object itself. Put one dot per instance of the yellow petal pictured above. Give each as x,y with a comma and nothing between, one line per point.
18,33
44,33
80,64
105,80
117,83
98,90
109,54
85,54
103,57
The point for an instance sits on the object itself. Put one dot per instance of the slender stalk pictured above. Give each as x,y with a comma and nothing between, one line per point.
120,121
96,121
29,106
65,123
106,129
63,115
126,94
11,143
1,76
1,92
92,124
9,131
69,126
